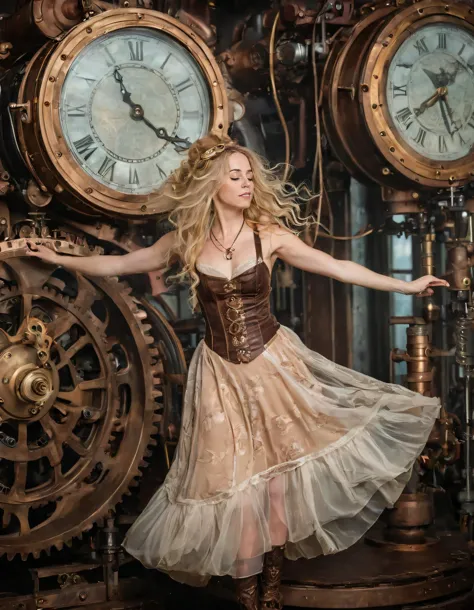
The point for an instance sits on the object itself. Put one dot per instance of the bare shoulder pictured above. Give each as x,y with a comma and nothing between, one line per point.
272,234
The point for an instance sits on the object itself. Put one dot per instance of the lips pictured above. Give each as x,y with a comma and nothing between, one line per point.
247,195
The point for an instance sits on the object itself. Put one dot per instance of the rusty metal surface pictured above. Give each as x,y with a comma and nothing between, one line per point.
133,592
75,423
369,577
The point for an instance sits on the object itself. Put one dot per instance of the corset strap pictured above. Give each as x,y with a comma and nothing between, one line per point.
258,246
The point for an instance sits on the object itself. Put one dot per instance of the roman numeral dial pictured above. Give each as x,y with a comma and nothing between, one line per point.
132,103
430,92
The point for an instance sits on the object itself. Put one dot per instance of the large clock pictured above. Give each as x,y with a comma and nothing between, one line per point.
109,112
399,96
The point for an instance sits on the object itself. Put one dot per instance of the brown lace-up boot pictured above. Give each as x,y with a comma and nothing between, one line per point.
271,596
247,592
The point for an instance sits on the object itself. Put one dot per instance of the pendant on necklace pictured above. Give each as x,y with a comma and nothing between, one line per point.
228,253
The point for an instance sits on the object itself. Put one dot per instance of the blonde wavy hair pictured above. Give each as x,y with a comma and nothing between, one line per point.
189,192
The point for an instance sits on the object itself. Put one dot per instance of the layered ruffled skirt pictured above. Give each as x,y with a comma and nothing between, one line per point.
290,447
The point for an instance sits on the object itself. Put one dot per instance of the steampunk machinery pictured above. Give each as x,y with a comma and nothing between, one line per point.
99,101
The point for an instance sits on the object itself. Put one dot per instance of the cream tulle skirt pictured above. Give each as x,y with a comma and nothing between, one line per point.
288,448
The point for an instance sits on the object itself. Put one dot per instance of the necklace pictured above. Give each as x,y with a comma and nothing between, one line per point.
228,251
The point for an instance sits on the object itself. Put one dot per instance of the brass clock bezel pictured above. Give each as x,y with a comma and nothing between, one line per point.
373,84
55,167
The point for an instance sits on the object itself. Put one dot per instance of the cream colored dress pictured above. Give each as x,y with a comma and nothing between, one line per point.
289,447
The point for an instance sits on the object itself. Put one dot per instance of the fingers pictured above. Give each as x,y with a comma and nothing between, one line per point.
32,249
438,283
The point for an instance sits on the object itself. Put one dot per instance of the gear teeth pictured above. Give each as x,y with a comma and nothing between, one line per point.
152,365
159,368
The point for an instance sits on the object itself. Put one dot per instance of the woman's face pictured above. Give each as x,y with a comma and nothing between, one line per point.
237,187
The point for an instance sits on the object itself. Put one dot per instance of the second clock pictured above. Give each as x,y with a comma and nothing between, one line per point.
399,93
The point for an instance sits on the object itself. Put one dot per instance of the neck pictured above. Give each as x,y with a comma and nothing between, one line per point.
227,223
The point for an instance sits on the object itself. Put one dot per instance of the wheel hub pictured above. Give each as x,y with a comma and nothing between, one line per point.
28,379
79,385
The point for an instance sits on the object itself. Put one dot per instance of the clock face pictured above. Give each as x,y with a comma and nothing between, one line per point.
132,102
430,92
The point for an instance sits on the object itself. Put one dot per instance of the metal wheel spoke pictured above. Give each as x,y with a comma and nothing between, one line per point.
76,445
21,513
58,476
69,407
26,305
22,437
93,384
6,518
77,346
74,397
61,324
54,453
21,469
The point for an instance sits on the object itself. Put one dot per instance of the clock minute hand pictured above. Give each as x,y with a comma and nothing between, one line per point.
179,143
456,124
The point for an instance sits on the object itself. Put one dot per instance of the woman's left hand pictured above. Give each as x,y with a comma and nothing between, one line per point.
423,286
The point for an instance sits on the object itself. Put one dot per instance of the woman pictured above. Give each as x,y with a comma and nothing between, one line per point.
281,451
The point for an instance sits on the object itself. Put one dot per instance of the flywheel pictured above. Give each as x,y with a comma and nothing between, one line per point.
80,398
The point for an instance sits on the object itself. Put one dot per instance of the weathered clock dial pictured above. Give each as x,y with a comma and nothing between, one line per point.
124,94
399,96
111,110
430,91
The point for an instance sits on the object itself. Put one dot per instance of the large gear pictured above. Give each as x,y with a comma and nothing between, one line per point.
80,398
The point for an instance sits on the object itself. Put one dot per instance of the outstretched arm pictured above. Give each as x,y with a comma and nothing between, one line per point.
139,261
295,252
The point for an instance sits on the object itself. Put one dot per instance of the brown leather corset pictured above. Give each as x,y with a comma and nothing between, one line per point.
239,322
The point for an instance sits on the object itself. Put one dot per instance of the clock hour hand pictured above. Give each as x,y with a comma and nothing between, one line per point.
431,101
126,96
